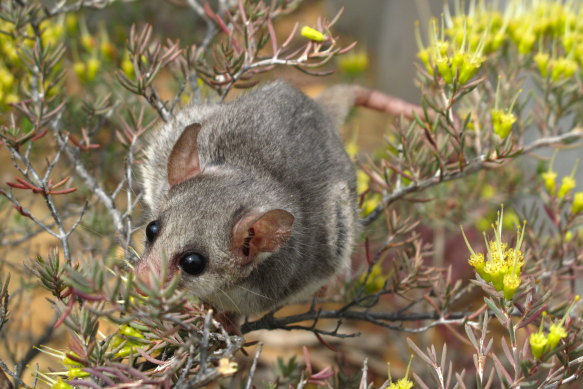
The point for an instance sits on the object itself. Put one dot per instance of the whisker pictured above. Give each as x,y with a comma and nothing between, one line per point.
226,295
255,293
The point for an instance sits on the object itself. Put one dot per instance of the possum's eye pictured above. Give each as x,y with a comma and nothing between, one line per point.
192,263
152,231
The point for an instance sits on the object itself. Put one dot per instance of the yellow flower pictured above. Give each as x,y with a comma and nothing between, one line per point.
376,279
502,122
92,67
226,367
549,179
59,384
128,336
423,55
503,267
352,149
469,68
538,342
76,372
542,62
444,68
69,362
362,181
353,63
577,205
79,68
526,41
567,184
403,383
556,330
370,203
127,67
313,34
495,271
88,42
563,68
556,333
511,283
477,262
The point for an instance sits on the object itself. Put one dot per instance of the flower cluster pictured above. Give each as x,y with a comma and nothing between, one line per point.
502,265
568,183
547,30
11,67
541,342
122,345
93,50
455,62
70,361
127,339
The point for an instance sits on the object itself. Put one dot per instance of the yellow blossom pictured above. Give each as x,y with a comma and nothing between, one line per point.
93,65
557,330
577,205
563,68
76,372
502,122
353,63
376,279
542,62
403,383
549,179
59,384
227,367
510,283
313,34
567,184
538,342
556,333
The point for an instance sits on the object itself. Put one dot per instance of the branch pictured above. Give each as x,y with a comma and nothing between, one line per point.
479,163
270,322
75,159
14,376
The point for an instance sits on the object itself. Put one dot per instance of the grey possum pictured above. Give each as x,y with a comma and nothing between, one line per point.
253,201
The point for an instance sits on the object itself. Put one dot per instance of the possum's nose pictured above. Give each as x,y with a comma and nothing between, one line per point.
143,270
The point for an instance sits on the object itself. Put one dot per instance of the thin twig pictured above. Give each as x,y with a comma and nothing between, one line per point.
479,163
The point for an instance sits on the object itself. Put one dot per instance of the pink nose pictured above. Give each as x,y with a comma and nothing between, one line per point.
142,271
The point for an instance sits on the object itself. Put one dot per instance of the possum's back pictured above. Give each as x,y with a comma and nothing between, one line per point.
278,130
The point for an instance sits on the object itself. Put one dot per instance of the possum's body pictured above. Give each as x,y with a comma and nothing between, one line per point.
273,148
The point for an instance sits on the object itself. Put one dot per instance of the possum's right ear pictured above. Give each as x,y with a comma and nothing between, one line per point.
183,162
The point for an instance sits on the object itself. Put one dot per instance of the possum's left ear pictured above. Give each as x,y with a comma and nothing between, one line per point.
258,232
183,162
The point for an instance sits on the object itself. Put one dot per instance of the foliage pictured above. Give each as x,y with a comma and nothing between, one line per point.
77,98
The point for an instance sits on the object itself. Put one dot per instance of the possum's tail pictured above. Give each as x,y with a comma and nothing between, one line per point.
338,100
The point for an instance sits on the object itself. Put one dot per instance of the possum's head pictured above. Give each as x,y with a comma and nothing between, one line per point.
216,226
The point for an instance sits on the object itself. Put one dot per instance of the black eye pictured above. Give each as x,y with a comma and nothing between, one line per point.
192,263
152,231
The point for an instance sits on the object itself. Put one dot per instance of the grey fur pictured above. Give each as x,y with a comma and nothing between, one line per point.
273,148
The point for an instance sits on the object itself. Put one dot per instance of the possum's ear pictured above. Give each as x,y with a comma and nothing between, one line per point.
183,162
261,232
